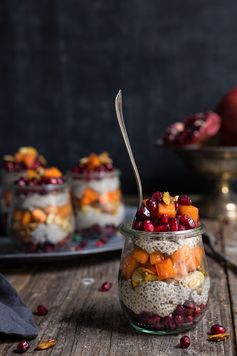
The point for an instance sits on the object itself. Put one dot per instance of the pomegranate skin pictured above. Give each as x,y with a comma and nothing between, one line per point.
227,109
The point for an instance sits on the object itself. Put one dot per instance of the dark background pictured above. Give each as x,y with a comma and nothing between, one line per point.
62,63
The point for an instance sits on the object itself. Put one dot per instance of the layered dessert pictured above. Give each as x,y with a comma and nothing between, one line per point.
42,217
96,196
14,167
163,281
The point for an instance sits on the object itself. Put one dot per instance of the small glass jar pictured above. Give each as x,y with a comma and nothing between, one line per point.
7,180
42,217
163,280
97,202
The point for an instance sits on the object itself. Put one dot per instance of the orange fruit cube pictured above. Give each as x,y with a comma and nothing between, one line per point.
140,255
156,257
128,266
189,210
165,269
167,209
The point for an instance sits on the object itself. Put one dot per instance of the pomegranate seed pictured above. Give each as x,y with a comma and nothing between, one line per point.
184,200
42,310
100,243
197,311
164,219
148,226
185,342
137,225
173,224
23,346
179,310
179,319
105,287
162,228
143,213
187,222
189,319
157,196
217,329
169,323
81,245
152,206
182,228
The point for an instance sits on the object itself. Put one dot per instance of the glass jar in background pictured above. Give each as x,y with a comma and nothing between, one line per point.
42,217
14,167
96,197
163,279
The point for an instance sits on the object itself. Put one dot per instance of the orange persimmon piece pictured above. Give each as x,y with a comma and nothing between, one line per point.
198,254
93,161
26,218
180,255
64,210
167,209
191,261
156,257
128,266
189,210
140,255
39,216
28,159
165,269
52,172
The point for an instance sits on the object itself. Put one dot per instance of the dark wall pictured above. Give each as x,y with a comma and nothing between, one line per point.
63,61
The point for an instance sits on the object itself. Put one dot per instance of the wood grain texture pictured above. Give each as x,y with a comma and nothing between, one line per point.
88,322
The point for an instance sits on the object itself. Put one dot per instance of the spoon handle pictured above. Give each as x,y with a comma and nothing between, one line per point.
119,113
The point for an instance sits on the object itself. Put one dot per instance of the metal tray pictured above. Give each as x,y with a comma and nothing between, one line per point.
9,253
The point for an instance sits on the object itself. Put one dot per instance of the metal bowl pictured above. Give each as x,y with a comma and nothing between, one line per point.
218,164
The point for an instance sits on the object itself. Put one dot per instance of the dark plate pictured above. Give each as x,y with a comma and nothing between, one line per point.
9,253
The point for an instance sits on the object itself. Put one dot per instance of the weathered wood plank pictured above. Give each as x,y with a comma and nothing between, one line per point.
88,322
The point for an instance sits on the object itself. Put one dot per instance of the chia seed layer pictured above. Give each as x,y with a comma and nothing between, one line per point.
165,246
159,297
36,200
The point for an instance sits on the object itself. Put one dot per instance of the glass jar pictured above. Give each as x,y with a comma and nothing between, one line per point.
7,180
163,280
41,217
97,202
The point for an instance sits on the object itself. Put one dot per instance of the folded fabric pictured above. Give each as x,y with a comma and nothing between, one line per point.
15,317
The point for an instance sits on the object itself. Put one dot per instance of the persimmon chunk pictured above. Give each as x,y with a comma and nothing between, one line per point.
166,209
128,266
198,254
165,269
156,257
190,210
140,255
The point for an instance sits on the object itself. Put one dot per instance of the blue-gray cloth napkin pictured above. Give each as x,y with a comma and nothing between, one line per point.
15,317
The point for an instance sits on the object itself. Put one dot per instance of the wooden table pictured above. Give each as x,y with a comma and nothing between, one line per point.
88,322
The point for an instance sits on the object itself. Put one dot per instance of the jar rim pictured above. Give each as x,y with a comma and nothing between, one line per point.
95,175
184,234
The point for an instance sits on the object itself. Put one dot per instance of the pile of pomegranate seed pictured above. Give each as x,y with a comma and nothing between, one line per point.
105,287
148,217
23,346
185,342
41,310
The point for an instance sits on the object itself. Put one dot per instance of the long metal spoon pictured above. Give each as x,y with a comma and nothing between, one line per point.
119,113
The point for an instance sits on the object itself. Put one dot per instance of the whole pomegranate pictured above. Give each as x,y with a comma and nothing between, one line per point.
227,109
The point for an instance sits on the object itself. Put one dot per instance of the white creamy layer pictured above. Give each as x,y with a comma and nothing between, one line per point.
165,246
160,297
101,186
35,200
48,233
91,216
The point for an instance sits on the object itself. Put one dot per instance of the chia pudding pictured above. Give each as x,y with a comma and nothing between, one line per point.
96,196
163,279
42,217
